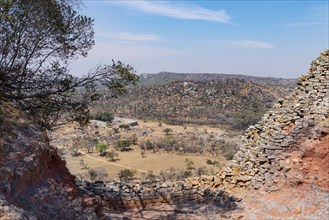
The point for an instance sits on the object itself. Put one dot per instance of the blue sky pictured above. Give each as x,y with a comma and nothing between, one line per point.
260,38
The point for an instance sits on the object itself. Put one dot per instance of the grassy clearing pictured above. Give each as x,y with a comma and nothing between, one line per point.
133,159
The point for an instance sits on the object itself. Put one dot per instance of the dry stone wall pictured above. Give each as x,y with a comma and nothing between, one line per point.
293,119
120,196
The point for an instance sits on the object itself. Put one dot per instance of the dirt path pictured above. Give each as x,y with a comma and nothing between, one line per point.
114,164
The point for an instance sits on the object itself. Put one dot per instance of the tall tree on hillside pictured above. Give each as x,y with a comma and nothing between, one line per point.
39,39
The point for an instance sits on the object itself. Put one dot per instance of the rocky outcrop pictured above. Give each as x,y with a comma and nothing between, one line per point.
292,120
34,181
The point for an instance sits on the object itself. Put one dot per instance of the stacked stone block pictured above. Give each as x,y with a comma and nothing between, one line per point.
117,196
291,121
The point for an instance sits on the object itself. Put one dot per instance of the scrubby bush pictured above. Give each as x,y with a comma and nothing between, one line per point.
126,175
213,162
97,174
112,155
92,174
147,145
133,139
168,144
201,171
189,167
83,164
167,131
173,174
103,116
241,121
149,176
123,145
88,143
189,164
228,150
124,126
116,130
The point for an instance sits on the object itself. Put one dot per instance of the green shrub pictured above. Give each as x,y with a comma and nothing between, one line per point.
103,116
167,131
123,145
126,174
189,164
101,147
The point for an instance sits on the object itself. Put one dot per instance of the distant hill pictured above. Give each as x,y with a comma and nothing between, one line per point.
163,78
236,103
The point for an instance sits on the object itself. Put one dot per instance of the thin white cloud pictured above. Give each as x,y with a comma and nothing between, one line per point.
254,44
244,43
129,36
188,12
303,24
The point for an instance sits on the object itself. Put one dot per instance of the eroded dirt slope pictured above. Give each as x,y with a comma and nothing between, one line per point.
34,181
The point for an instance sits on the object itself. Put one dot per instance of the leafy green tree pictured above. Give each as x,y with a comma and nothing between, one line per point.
112,155
101,147
167,131
126,174
39,40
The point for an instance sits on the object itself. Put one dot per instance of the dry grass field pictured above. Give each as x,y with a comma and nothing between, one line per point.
155,161
133,160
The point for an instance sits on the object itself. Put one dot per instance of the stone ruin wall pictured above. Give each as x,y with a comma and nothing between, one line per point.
260,160
118,196
302,115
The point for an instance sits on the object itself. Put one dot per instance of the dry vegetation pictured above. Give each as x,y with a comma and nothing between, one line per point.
178,131
234,103
205,146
